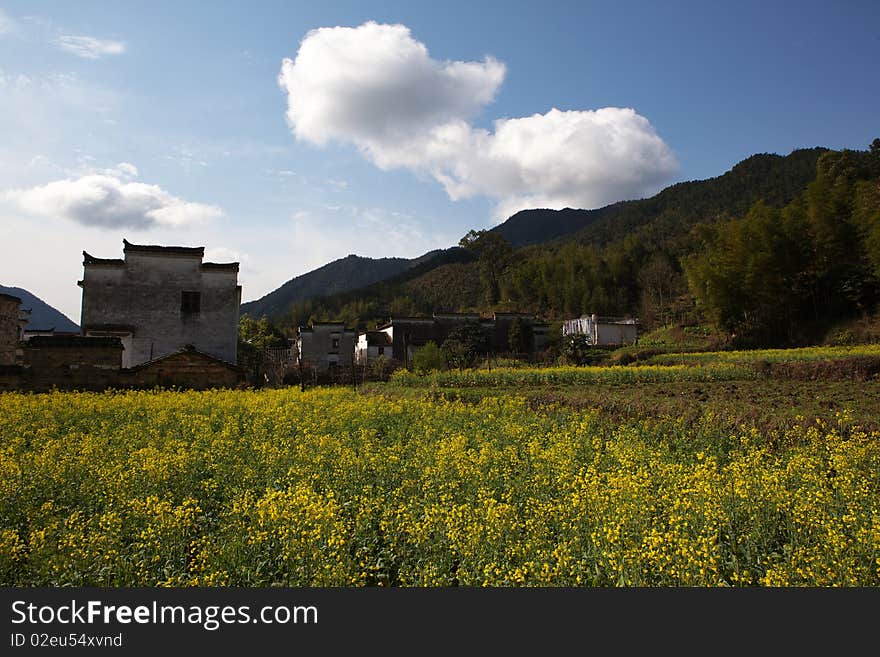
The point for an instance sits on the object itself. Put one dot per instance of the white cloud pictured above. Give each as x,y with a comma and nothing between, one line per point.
111,199
376,87
89,47
224,254
127,169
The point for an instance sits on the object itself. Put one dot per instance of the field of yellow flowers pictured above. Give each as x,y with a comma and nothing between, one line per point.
335,488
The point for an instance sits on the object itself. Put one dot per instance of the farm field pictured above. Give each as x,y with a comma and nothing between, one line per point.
616,481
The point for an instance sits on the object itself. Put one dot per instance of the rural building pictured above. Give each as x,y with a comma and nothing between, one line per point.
71,362
186,368
160,299
32,333
10,328
371,345
325,346
406,334
603,331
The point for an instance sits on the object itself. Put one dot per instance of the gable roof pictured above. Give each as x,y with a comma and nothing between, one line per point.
378,339
185,352
73,342
216,266
128,247
89,259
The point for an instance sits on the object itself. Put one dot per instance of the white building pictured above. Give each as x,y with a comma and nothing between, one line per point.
603,331
161,299
372,344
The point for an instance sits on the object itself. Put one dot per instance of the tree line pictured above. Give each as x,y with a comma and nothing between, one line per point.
795,259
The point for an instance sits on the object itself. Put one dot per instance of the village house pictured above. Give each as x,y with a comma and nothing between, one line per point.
603,331
10,328
131,314
71,362
404,335
372,344
326,346
159,300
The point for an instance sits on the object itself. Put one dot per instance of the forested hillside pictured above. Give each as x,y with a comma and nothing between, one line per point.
338,276
774,178
766,253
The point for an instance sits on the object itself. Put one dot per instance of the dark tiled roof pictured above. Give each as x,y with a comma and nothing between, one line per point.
171,250
92,260
185,350
406,320
378,338
231,266
73,341
112,328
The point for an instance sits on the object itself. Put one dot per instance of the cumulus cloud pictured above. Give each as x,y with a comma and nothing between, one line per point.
376,87
89,47
110,198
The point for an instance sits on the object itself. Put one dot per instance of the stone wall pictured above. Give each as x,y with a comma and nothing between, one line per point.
9,328
71,363
11,377
87,363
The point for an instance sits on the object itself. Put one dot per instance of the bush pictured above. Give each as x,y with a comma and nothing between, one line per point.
429,358
575,349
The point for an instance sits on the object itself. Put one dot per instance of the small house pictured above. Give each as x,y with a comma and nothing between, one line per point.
326,346
603,331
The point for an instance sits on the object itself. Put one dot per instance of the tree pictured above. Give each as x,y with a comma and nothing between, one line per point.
428,358
260,333
495,256
254,337
379,367
575,349
659,282
463,344
515,336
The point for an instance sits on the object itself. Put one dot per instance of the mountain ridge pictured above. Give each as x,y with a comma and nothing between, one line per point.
43,316
665,218
338,276
749,179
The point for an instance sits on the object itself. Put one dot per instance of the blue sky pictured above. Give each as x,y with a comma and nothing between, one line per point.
179,123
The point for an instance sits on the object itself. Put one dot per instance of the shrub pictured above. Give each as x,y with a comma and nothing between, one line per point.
429,358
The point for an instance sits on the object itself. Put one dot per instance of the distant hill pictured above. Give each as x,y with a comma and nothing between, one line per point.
776,179
43,316
567,261
339,276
